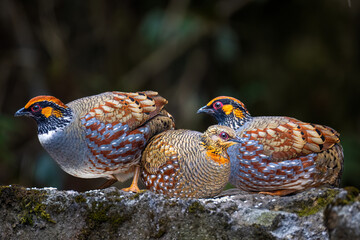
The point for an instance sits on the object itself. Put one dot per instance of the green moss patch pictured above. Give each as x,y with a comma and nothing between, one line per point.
34,209
80,199
31,205
319,203
100,212
351,196
101,216
266,218
196,207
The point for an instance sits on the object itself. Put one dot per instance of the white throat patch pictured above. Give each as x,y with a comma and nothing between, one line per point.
46,137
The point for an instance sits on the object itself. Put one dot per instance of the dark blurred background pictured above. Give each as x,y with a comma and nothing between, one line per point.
298,58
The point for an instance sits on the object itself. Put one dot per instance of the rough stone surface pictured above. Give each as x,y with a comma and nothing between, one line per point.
113,214
342,216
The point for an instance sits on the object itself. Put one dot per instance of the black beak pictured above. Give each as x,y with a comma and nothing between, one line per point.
205,109
237,140
22,112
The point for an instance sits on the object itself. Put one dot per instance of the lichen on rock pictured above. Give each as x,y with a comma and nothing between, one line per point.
113,214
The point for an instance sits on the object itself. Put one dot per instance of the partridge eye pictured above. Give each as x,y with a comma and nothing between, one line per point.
35,108
224,136
217,105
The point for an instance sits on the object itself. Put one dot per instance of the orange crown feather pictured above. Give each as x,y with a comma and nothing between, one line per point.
45,98
226,97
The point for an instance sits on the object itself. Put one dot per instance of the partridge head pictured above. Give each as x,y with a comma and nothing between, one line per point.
100,136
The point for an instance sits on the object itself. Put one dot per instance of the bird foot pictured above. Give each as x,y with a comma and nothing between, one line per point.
132,188
108,183
279,192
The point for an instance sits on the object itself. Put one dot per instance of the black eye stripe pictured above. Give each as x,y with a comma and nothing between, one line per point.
44,104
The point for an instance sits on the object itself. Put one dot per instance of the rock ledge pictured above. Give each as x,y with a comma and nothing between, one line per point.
31,213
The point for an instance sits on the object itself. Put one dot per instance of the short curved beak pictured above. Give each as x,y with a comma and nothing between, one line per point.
205,109
22,112
236,140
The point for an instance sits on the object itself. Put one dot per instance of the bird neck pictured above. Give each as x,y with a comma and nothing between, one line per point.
213,151
53,123
235,122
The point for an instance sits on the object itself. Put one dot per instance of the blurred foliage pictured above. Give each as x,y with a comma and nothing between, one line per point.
296,58
7,125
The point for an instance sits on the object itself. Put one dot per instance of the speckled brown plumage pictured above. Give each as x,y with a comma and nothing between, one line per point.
278,155
184,163
101,135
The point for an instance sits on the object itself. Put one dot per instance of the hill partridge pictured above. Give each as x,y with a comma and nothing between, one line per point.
100,136
189,164
278,155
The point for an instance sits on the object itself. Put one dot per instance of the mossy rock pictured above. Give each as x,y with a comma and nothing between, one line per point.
29,202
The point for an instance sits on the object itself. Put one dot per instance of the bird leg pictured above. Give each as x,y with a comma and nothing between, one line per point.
134,184
108,183
279,192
